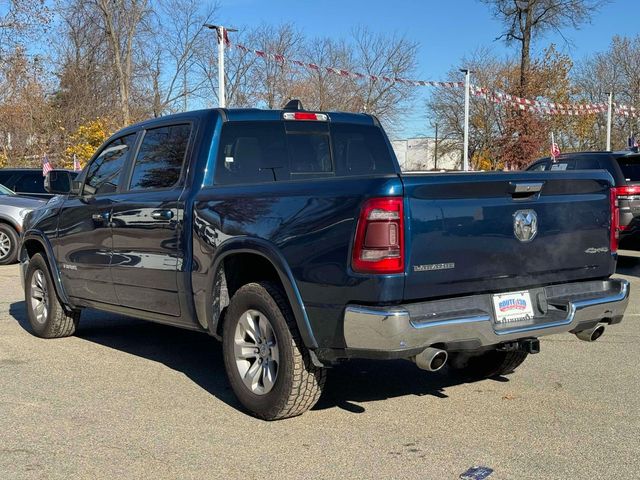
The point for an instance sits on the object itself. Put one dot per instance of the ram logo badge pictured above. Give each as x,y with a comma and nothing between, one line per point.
525,225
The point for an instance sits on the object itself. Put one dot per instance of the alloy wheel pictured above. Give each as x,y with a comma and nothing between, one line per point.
39,296
256,352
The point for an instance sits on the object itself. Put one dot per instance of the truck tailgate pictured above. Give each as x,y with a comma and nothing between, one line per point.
461,236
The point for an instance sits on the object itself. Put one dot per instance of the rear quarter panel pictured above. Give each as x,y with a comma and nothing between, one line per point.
312,224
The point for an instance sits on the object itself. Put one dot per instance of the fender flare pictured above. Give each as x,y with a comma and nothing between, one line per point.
41,238
268,251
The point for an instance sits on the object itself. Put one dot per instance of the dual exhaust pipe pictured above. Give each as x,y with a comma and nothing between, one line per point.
591,334
433,359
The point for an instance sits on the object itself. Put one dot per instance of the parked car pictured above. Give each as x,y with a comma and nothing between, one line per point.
30,182
13,209
294,238
624,167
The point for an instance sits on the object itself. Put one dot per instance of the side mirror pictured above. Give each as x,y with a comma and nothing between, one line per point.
59,182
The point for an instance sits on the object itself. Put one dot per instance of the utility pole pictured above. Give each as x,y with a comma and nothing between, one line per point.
609,121
222,40
467,84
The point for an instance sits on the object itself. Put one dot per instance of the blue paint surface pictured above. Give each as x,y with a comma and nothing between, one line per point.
476,473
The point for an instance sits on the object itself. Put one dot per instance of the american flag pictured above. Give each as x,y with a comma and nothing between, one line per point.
46,165
76,164
555,150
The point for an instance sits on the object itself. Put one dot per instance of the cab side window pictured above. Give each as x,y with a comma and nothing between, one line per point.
160,157
103,174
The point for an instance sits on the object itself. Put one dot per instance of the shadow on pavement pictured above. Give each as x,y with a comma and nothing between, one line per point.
628,263
199,357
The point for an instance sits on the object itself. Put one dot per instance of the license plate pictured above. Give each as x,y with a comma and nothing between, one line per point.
513,308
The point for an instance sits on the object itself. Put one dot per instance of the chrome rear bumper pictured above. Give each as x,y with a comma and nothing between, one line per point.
468,322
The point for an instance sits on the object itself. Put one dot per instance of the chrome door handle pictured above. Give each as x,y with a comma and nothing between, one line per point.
101,217
162,215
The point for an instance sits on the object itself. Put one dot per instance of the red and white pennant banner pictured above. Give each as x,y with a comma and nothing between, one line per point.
535,106
346,73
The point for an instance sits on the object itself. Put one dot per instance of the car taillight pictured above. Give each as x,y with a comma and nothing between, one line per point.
615,220
627,191
379,242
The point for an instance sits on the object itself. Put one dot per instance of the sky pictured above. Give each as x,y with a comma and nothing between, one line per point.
445,31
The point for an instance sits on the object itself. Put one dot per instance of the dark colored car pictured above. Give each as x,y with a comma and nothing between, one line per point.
31,183
624,167
294,238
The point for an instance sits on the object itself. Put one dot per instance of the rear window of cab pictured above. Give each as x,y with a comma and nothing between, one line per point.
262,151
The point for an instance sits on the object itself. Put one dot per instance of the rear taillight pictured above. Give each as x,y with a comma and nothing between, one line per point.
379,242
614,233
627,191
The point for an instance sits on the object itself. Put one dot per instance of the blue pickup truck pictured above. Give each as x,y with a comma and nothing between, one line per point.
293,237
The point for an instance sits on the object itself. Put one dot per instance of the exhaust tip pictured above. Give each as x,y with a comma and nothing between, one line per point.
591,334
597,333
438,361
431,359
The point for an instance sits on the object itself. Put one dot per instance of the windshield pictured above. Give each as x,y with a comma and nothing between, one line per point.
630,167
5,191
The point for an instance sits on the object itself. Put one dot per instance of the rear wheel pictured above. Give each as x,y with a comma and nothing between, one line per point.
47,316
269,368
8,244
491,363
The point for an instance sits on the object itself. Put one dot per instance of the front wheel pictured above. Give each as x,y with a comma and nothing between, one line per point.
8,244
269,368
47,316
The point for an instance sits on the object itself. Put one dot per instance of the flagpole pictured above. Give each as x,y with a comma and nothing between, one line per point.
553,141
465,155
221,95
609,122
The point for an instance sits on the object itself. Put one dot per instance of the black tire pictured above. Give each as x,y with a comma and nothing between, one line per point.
298,382
54,321
9,244
491,363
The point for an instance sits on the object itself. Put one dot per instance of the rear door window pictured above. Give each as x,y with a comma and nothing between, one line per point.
630,167
538,167
103,174
562,165
588,163
30,182
160,157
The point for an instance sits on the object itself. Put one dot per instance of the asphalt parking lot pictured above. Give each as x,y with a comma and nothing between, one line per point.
129,399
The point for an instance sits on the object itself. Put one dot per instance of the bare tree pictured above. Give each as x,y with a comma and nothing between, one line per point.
525,19
382,56
177,46
615,70
121,21
21,20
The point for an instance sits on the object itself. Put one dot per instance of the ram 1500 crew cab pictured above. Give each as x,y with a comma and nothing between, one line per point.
294,238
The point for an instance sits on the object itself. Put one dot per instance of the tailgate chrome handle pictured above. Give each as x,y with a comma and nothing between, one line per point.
525,187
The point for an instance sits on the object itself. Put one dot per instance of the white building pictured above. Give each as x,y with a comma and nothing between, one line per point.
419,154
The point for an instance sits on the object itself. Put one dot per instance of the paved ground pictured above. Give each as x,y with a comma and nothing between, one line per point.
129,399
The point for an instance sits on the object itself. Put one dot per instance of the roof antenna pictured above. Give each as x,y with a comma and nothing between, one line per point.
294,104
